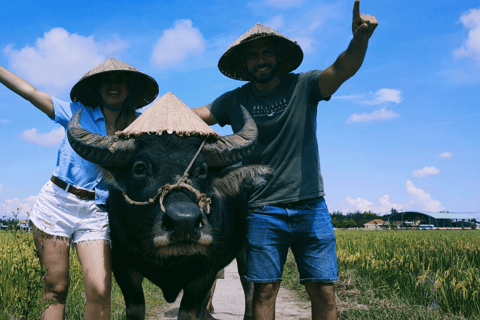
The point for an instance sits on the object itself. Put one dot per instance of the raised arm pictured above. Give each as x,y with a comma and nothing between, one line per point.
205,114
349,61
39,99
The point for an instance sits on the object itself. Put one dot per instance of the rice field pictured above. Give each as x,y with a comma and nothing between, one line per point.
439,269
21,283
21,276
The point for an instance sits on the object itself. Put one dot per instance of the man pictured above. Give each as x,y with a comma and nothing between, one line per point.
289,211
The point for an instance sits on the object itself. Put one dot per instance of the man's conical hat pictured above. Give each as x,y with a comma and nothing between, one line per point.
169,115
144,87
289,54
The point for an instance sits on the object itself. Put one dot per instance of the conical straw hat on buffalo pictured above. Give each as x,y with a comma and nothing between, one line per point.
169,115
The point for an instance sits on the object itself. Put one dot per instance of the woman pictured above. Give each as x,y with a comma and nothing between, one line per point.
70,208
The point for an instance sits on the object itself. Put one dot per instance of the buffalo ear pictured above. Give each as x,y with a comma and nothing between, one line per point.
234,180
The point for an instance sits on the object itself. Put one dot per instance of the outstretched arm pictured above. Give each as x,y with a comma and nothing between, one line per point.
348,63
39,99
205,114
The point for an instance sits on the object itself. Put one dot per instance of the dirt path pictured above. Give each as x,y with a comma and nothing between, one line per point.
228,301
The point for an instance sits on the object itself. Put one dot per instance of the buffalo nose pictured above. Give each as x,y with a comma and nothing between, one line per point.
183,221
192,222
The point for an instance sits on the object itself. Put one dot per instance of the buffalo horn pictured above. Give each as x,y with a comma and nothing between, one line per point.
108,151
233,148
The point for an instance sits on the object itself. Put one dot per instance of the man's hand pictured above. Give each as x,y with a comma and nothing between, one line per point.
349,61
363,25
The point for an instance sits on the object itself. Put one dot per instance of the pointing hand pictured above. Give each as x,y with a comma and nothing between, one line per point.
363,25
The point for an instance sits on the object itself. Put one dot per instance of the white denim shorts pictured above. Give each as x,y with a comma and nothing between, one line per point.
61,214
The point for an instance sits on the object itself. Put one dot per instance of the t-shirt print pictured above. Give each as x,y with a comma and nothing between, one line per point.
269,110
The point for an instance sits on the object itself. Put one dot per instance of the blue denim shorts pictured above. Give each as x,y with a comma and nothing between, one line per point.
305,227
61,214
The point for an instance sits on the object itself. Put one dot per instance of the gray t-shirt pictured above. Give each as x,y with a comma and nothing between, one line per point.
287,140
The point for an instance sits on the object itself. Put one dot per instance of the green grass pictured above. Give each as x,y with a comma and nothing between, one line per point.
404,274
382,275
435,269
21,283
363,298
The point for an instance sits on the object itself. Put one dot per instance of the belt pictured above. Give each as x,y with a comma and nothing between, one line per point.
80,193
298,203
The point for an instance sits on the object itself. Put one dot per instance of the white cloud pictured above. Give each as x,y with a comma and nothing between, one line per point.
386,205
461,74
359,96
306,43
52,138
382,96
471,47
426,172
1,187
21,206
176,44
446,155
60,59
360,204
112,47
423,201
283,3
386,95
305,27
315,24
364,205
377,115
276,22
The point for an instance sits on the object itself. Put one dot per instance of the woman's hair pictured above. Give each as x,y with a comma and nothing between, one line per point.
125,118
135,84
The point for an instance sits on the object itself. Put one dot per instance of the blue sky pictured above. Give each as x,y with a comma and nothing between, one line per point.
402,133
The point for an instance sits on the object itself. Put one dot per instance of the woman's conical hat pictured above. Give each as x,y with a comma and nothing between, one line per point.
169,115
142,86
289,54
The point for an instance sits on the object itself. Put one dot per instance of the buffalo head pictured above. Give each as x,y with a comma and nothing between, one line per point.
155,199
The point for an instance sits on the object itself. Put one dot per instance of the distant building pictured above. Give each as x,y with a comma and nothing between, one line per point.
23,225
437,219
375,224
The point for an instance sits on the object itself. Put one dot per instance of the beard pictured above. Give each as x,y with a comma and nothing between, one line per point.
265,76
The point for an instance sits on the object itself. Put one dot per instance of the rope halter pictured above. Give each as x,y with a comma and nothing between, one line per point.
180,182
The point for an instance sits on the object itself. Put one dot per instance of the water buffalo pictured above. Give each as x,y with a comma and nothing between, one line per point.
174,224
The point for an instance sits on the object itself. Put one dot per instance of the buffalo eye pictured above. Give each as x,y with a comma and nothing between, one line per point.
140,170
201,171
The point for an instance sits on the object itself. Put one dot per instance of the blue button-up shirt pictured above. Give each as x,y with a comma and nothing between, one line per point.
72,168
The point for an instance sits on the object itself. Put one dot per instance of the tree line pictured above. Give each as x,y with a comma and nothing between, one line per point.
355,219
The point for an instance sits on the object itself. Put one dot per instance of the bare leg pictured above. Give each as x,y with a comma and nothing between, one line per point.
246,285
264,297
96,264
210,308
54,255
322,296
